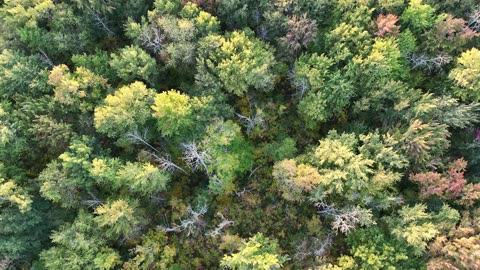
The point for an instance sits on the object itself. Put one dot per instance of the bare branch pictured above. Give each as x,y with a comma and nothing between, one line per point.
165,163
474,19
153,39
46,59
194,158
430,64
218,230
346,219
140,138
192,224
243,192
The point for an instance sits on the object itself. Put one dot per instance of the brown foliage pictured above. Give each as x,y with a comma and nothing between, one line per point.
449,185
301,31
386,25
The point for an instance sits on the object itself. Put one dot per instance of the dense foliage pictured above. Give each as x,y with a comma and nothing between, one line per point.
239,134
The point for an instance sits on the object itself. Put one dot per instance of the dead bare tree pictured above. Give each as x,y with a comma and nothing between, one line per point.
313,246
428,63
195,158
474,19
44,57
256,119
153,38
243,192
164,161
218,230
100,21
346,219
192,223
92,203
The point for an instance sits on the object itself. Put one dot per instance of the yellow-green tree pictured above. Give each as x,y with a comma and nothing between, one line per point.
125,110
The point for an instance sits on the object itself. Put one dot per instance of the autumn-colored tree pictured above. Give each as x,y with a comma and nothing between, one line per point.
120,218
449,34
301,31
386,25
450,185
459,247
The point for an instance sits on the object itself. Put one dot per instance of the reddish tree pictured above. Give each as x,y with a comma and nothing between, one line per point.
301,31
386,25
448,185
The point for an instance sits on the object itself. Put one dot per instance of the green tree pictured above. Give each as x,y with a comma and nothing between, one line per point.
64,180
372,249
125,110
466,75
152,252
81,89
323,93
119,217
179,114
417,227
258,253
79,245
238,61
143,178
360,170
418,16
132,63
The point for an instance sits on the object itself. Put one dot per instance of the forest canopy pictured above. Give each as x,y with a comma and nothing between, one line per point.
240,134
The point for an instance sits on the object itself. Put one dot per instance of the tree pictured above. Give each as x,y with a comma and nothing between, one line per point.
384,62
172,32
386,25
417,227
418,16
14,195
295,179
142,178
23,234
258,253
181,115
238,61
81,89
458,248
21,74
466,75
423,143
301,31
323,93
152,252
64,180
449,35
450,185
372,249
231,155
360,174
52,135
132,63
125,110
119,217
80,245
